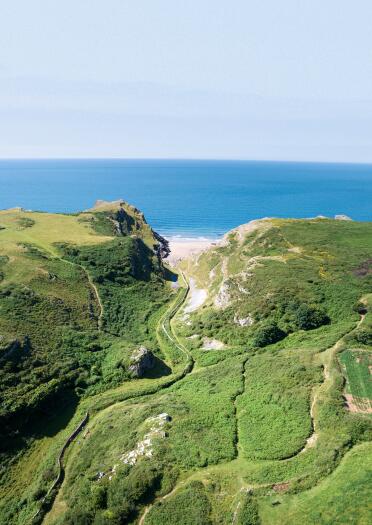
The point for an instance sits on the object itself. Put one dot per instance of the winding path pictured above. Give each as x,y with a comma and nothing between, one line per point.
92,285
165,326
61,471
90,280
168,316
310,442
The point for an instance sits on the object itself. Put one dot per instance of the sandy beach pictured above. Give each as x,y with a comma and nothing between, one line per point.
183,248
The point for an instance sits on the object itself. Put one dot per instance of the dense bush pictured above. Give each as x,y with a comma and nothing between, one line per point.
130,281
25,222
188,506
248,514
360,308
364,336
267,334
117,501
308,317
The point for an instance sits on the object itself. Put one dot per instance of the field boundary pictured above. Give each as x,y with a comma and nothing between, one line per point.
61,471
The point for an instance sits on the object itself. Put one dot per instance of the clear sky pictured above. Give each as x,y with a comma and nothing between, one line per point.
254,79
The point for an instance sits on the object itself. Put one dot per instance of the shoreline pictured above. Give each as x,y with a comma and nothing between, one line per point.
184,247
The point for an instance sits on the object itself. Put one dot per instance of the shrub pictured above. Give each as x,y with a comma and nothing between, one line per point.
78,517
188,506
308,317
25,222
364,336
360,308
248,514
268,334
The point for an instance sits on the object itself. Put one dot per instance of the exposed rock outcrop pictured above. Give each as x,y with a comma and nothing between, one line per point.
142,360
126,223
162,248
223,298
343,218
128,220
212,344
145,446
243,321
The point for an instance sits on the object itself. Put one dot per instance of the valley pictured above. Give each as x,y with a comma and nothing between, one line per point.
255,407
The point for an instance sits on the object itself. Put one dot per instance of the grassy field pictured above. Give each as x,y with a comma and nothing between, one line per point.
357,365
274,411
256,429
343,497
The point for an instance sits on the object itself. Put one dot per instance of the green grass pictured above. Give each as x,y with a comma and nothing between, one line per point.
281,270
129,282
202,412
357,366
344,497
189,506
274,411
53,349
235,448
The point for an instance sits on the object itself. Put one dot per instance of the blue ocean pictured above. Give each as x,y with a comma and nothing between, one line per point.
191,198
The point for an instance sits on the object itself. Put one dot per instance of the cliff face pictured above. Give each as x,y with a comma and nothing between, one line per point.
123,219
162,248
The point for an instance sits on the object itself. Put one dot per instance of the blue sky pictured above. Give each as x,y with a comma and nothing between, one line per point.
254,79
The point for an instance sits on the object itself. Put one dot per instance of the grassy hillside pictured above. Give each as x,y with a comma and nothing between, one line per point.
341,498
73,289
257,410
277,280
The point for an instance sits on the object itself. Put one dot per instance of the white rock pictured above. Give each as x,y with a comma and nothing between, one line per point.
212,344
342,218
222,298
244,321
145,447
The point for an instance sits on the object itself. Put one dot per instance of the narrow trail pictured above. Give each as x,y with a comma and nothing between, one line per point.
93,286
168,316
161,498
61,471
90,280
170,334
332,351
236,444
362,317
239,394
98,298
311,441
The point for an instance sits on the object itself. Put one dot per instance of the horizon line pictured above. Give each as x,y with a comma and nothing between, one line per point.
187,159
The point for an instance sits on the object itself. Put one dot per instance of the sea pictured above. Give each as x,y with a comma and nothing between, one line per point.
191,198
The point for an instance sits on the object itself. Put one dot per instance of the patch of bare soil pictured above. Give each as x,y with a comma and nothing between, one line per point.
311,441
365,268
212,344
281,487
358,404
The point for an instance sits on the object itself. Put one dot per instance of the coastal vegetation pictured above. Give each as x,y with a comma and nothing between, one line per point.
256,406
